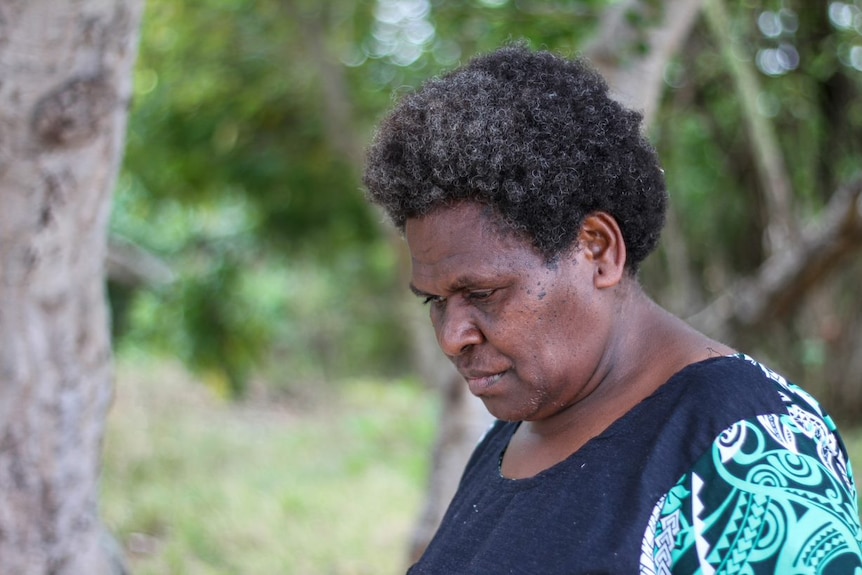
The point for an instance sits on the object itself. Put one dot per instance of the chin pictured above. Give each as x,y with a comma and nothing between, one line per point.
506,413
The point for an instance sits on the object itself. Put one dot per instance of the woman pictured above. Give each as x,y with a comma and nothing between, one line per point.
626,441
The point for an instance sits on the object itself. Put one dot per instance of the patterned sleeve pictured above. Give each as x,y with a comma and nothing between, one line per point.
773,495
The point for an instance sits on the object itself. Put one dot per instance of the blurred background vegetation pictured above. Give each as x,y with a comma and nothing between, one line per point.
252,258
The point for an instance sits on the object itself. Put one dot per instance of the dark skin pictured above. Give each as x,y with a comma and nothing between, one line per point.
566,347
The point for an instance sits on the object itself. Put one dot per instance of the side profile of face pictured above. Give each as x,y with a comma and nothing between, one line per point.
530,337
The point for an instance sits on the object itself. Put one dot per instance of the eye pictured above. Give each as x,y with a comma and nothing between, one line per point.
480,295
434,299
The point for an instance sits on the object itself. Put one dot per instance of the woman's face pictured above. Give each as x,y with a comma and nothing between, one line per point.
529,337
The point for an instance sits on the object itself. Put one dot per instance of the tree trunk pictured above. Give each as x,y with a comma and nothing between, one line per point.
65,83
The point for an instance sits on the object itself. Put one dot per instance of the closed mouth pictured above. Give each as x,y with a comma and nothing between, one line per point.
478,383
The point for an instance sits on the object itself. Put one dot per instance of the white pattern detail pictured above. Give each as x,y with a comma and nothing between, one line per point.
701,544
659,541
647,565
808,398
774,376
827,444
730,441
779,431
811,425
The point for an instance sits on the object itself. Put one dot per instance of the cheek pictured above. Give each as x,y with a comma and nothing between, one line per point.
539,343
561,337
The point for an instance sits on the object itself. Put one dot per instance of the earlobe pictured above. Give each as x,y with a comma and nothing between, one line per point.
602,240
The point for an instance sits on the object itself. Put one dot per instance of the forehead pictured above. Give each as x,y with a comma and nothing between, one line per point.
465,240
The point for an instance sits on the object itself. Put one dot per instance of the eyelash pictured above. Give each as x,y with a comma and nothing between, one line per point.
480,295
475,296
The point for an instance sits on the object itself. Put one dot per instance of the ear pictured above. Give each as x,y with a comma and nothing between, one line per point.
602,243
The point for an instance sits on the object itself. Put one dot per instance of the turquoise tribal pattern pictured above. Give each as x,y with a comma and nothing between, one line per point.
773,495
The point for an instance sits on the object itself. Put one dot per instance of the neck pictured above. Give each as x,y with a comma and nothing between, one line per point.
647,346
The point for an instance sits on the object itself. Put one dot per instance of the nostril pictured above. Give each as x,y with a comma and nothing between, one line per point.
456,329
458,341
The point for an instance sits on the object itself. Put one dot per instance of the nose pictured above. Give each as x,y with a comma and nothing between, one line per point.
456,329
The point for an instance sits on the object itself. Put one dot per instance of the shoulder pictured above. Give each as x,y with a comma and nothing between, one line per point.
681,420
739,388
705,398
773,493
749,384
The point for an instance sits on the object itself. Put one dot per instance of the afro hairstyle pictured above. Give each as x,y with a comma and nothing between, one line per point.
532,135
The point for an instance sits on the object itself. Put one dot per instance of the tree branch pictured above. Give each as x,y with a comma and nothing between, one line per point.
632,56
132,266
784,279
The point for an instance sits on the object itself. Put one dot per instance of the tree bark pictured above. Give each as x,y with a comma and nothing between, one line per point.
65,85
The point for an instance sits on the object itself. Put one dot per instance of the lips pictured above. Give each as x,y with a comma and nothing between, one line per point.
480,383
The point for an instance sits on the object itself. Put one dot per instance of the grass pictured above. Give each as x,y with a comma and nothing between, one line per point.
330,486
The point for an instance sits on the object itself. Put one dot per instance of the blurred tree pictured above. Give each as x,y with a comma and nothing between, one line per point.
66,72
229,145
776,257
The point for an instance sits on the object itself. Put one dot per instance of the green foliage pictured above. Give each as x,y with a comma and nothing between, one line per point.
237,308
229,177
706,149
220,110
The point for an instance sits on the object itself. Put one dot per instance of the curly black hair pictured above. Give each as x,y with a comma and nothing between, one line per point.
531,134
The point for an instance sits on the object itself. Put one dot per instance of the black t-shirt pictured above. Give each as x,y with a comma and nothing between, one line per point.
624,502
